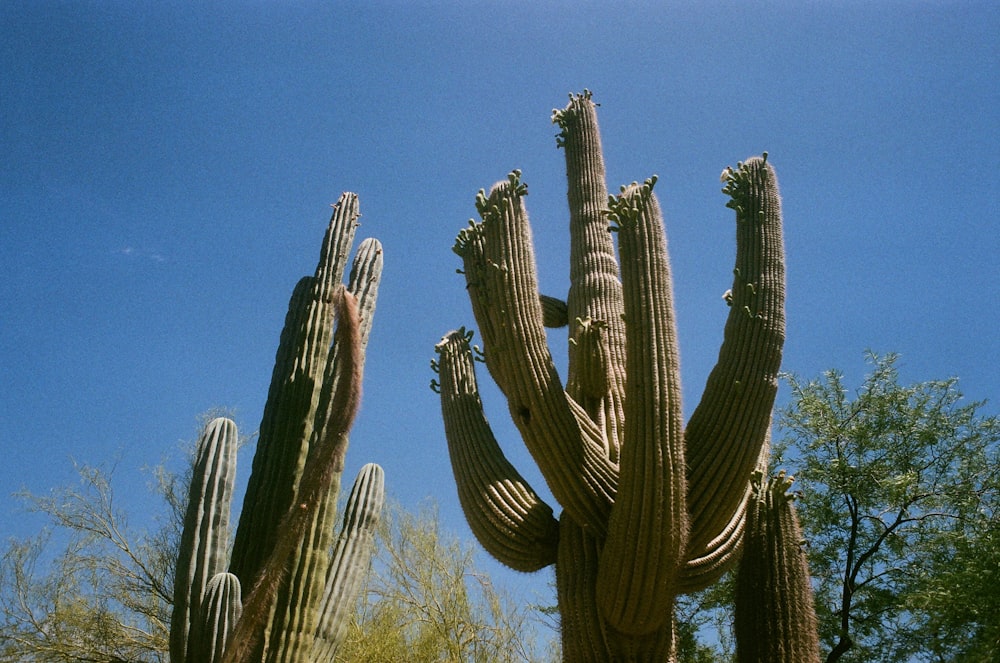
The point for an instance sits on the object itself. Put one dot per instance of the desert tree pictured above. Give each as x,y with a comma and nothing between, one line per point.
899,497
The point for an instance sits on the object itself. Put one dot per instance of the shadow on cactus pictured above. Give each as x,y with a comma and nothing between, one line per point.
287,591
651,507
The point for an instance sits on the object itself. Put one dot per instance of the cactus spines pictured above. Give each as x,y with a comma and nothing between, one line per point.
775,619
651,509
205,537
284,544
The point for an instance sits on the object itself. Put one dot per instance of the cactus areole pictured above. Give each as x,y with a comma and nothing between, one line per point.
651,507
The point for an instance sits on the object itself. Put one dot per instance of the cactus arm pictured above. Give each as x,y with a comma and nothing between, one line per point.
205,537
500,273
554,312
594,375
290,410
647,532
595,292
338,240
508,518
721,553
221,610
727,429
364,281
719,556
350,561
322,468
775,619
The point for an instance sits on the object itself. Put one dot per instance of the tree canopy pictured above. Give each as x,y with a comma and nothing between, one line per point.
900,488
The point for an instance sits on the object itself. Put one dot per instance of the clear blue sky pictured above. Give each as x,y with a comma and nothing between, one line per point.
167,169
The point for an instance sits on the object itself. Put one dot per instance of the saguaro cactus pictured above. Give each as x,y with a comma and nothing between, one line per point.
291,582
650,508
205,538
775,620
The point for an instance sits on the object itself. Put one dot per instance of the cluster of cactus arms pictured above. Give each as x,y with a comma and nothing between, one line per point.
651,508
286,591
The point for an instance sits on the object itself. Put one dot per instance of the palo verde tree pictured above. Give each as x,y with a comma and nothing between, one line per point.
91,585
651,507
426,599
900,502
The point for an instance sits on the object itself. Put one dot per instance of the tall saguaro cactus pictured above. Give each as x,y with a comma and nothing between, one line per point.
651,507
289,588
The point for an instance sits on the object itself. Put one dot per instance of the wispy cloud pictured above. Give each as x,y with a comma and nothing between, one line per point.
141,254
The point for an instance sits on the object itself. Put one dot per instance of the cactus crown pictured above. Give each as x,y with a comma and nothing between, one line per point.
624,208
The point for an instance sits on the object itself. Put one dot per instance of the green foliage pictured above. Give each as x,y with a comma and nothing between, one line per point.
426,601
689,648
89,587
705,623
900,493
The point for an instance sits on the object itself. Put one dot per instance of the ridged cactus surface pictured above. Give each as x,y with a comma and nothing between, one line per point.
775,620
651,507
269,602
351,558
221,608
205,538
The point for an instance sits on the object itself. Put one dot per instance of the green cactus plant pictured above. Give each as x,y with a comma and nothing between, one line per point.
221,608
286,552
205,537
651,508
775,618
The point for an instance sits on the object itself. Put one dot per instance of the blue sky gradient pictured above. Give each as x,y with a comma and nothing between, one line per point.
167,170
